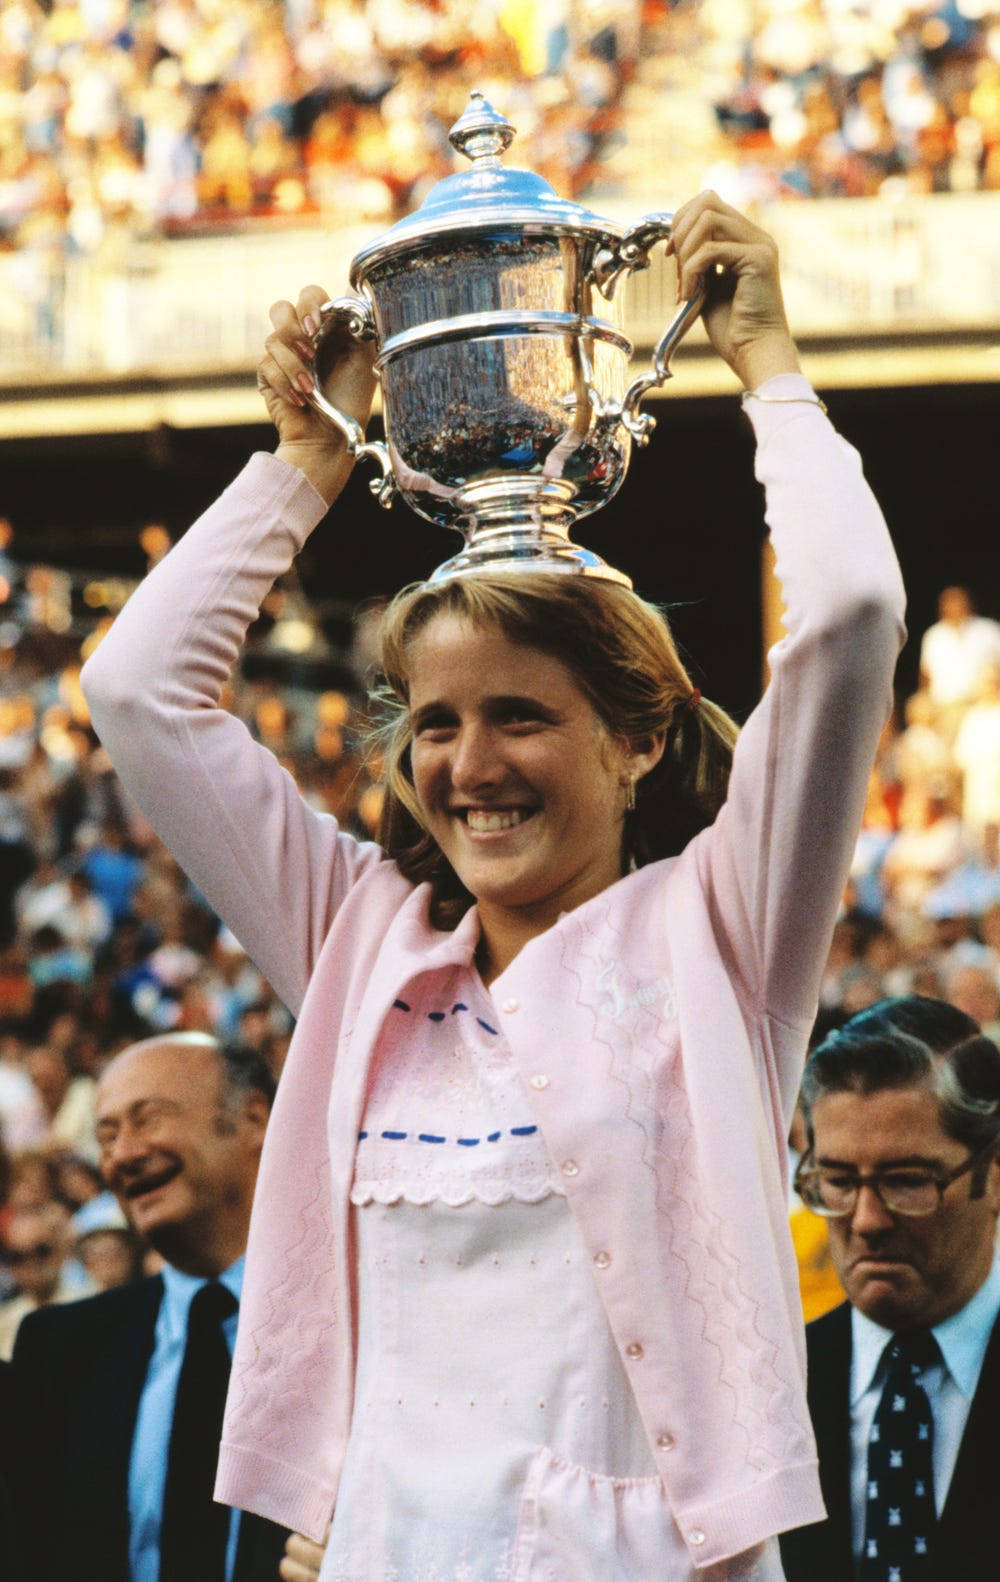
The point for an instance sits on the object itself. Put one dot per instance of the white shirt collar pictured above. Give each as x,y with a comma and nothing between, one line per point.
179,1292
963,1339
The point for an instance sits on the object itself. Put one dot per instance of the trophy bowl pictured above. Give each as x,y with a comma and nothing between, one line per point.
508,412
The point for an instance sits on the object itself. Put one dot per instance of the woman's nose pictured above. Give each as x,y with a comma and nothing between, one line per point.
474,761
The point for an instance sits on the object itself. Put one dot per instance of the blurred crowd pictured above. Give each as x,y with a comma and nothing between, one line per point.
103,941
125,118
853,98
129,118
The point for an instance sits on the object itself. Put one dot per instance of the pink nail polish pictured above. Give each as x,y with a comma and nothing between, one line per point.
304,382
311,324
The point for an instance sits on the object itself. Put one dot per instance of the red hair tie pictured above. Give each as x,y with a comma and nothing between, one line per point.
694,699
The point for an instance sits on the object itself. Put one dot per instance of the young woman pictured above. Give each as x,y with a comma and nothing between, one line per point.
520,1303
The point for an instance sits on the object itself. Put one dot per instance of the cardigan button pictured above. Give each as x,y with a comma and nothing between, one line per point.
697,1537
538,1082
634,1350
510,1006
665,1441
570,1167
602,1259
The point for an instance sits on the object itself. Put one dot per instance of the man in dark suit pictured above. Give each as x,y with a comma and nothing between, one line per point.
902,1108
117,1400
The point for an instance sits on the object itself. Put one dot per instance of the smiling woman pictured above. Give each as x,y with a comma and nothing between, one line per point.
520,1301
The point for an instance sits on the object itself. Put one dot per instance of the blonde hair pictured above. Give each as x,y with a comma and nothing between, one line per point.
619,650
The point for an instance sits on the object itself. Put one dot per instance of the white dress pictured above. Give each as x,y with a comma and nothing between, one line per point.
495,1437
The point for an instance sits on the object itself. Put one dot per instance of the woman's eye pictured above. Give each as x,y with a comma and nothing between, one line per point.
433,727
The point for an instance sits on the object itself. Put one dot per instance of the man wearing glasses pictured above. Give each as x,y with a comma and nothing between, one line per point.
902,1110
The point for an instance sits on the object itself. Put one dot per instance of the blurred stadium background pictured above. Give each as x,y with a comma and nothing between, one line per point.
169,168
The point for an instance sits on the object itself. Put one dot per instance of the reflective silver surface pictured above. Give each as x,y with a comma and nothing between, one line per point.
501,357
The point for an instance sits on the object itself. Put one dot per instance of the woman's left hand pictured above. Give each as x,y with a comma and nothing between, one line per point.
744,314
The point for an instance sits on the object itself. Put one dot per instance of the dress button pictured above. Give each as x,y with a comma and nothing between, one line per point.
697,1537
602,1259
538,1082
510,1006
570,1167
665,1441
633,1350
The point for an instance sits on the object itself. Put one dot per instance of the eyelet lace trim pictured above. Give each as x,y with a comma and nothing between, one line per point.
448,1117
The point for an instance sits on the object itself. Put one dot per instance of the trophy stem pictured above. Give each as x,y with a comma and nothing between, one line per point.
521,524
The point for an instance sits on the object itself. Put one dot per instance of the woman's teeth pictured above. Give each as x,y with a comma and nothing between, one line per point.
484,822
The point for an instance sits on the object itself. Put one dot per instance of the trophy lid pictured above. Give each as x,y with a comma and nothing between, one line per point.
486,196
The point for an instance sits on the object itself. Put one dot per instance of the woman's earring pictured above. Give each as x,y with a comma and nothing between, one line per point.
630,794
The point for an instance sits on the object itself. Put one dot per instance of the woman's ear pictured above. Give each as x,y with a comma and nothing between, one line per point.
645,754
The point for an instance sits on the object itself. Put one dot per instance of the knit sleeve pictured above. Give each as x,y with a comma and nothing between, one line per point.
776,861
273,869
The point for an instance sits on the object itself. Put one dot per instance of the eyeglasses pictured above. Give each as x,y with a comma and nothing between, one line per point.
16,1255
914,1193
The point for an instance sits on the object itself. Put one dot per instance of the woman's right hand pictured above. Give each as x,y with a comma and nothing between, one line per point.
285,375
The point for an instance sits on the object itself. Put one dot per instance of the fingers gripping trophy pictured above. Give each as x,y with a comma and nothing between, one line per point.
491,309
520,1300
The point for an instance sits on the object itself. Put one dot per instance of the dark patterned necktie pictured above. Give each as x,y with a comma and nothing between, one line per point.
195,1530
899,1509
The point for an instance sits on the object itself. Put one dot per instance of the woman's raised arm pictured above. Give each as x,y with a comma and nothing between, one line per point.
777,858
273,869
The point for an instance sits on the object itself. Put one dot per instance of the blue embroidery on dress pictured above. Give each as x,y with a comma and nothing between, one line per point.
487,1026
435,1016
400,1005
464,1142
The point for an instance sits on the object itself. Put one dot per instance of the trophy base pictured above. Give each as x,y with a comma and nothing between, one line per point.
521,524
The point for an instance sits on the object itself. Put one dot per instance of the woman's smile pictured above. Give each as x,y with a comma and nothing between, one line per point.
518,780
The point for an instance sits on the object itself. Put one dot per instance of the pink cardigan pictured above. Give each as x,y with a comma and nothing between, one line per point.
669,1013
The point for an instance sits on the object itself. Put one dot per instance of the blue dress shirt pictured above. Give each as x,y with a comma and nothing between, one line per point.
147,1473
949,1384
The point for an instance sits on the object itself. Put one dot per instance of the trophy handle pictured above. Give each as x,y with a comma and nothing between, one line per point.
632,253
354,314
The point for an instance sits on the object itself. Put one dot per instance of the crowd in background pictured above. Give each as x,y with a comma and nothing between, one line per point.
103,941
124,118
129,118
853,98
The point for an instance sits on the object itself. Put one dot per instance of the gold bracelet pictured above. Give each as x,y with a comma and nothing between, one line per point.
755,395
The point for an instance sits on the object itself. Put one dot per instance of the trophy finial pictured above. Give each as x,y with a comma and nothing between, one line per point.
480,131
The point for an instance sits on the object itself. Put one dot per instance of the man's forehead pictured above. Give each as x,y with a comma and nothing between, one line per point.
886,1125
160,1071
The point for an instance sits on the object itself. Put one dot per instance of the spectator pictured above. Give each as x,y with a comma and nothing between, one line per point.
977,754
115,1460
106,1245
956,654
68,1101
902,1107
34,1253
975,990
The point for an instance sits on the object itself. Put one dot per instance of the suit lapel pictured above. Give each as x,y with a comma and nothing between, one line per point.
822,1552
259,1551
829,1347
108,1407
966,1532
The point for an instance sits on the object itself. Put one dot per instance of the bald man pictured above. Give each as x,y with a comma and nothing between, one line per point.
112,1395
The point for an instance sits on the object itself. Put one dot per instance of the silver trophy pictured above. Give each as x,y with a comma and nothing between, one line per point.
507,409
